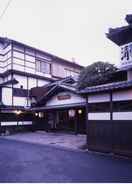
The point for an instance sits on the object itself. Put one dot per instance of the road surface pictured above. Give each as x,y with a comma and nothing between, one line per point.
26,162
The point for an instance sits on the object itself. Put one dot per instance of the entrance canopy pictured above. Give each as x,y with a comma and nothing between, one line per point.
61,94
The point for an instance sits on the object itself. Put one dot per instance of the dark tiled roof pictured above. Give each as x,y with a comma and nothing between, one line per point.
12,81
106,87
121,35
125,68
45,92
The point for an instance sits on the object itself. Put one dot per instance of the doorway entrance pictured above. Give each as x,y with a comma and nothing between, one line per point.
72,120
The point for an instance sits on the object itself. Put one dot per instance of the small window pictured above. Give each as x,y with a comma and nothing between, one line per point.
42,66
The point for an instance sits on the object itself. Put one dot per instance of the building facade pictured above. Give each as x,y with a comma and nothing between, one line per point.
23,67
60,106
109,106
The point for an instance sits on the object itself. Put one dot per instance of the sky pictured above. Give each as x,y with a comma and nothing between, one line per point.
71,29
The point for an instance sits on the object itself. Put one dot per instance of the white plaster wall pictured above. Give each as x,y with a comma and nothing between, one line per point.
7,68
99,98
43,74
74,99
58,70
30,58
32,82
18,61
1,70
30,70
27,122
18,67
16,123
8,55
42,82
99,116
24,122
29,64
18,55
122,95
6,49
7,96
3,123
122,116
22,81
19,101
1,58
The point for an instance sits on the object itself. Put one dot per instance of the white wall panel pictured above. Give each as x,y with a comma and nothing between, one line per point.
30,70
18,55
122,95
18,61
6,56
32,82
8,67
20,101
27,122
30,58
42,82
74,99
122,116
8,123
29,64
22,81
24,122
99,98
58,70
99,116
1,58
7,96
7,49
1,70
18,67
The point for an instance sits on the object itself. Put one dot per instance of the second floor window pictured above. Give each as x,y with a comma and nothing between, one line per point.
43,67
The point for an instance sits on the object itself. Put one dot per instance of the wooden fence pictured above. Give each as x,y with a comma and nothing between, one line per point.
110,137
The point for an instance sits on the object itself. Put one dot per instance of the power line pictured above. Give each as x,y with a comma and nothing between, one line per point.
6,7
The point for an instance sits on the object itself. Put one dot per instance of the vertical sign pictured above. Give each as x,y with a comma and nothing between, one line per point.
126,55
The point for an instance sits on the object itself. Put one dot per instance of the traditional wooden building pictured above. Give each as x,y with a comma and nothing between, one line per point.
109,106
59,106
23,67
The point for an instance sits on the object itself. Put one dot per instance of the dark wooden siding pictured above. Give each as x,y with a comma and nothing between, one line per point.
110,136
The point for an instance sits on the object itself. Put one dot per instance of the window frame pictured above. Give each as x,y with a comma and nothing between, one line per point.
41,62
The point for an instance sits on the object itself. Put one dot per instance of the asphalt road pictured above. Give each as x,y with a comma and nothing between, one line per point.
25,162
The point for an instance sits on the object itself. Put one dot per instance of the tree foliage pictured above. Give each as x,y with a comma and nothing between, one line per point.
95,74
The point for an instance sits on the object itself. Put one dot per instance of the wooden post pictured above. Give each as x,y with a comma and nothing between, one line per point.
87,119
76,123
111,118
111,106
